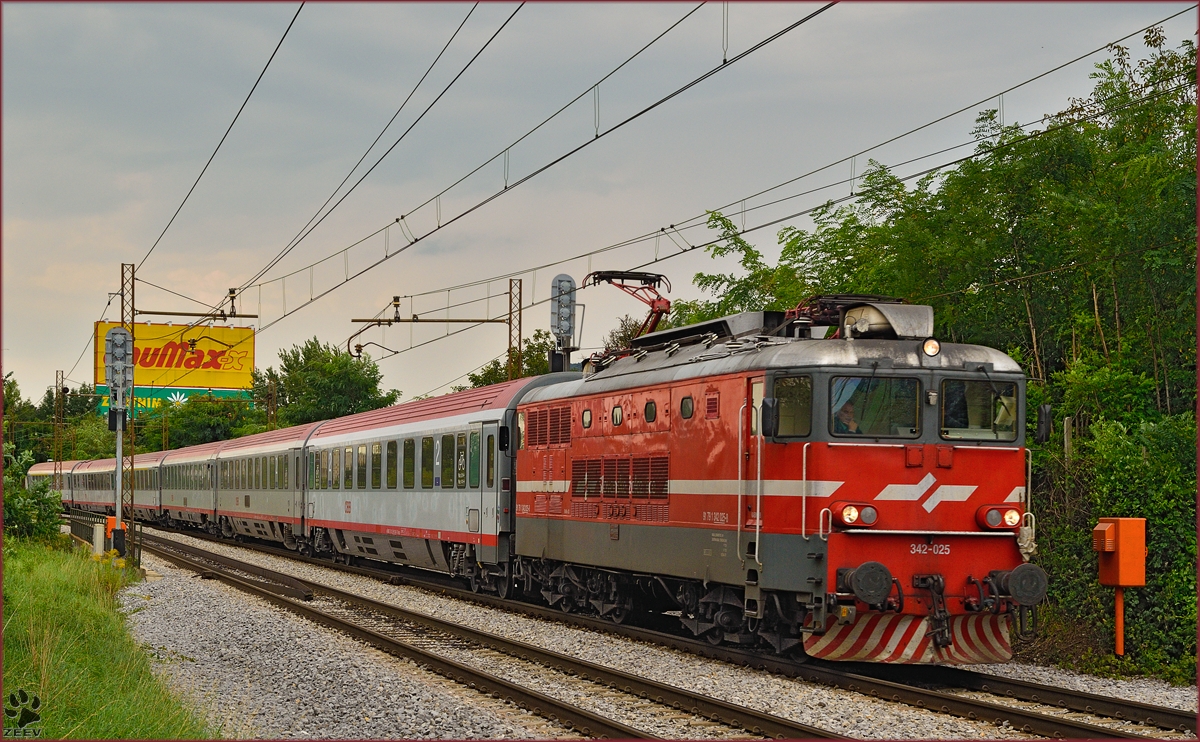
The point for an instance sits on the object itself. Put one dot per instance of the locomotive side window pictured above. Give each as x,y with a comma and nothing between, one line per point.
410,463
376,465
491,461
447,461
473,459
426,463
978,410
794,395
392,465
687,407
617,415
650,412
878,407
520,430
586,418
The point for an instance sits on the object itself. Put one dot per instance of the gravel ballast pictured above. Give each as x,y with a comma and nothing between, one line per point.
845,712
255,670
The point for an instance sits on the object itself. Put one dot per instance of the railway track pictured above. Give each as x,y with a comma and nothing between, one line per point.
494,664
1030,707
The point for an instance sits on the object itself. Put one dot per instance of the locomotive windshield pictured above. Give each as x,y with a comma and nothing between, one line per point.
979,410
874,406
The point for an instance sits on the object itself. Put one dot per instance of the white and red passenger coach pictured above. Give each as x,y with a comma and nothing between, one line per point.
829,480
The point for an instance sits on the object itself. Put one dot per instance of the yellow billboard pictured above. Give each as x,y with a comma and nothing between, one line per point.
176,355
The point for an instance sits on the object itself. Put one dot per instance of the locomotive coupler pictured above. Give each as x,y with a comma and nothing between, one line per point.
939,617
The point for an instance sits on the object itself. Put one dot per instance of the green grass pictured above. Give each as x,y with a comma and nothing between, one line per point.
65,640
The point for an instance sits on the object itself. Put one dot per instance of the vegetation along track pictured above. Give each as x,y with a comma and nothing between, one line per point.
462,654
1034,708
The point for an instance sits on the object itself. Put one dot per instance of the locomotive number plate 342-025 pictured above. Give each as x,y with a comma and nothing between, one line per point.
934,549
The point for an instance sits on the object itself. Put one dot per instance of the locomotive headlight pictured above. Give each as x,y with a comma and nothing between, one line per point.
849,514
993,518
1011,518
931,347
869,515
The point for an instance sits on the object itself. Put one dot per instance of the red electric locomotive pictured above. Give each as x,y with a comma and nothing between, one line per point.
862,495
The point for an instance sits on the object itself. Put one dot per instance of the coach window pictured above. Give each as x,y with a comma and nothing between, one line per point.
285,483
258,467
348,468
460,463
410,463
687,407
427,462
447,461
651,411
794,397
586,418
617,415
392,464
473,466
335,470
272,463
376,465
491,461
875,407
362,467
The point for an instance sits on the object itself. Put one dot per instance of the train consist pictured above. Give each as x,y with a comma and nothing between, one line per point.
828,481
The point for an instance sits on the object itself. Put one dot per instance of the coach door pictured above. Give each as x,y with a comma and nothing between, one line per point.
495,508
297,481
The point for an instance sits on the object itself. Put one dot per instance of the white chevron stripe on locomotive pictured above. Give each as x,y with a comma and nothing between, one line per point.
903,639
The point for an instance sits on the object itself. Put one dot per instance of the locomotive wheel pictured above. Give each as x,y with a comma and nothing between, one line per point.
618,615
715,637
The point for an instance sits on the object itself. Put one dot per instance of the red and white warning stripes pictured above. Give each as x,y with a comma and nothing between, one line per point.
901,639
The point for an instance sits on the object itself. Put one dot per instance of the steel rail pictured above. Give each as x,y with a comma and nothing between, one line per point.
1023,690
714,709
824,673
568,715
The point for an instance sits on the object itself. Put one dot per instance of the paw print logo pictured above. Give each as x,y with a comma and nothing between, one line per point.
23,709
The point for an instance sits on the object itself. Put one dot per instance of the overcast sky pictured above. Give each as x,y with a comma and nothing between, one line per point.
110,112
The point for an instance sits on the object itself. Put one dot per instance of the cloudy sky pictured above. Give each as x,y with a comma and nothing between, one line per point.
111,111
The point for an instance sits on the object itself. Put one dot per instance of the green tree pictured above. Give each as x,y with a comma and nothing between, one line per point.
201,419
28,514
535,361
623,334
1073,248
318,381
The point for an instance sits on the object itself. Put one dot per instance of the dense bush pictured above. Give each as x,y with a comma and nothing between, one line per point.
1123,471
28,514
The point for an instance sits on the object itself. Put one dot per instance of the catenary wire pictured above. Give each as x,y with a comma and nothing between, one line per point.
761,226
223,137
293,241
305,232
524,136
702,218
549,165
858,196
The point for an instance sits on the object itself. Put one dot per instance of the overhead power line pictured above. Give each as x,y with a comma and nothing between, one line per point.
701,219
295,239
308,230
854,197
350,276
223,137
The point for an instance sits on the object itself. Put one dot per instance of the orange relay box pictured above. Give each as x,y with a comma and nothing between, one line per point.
1121,543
